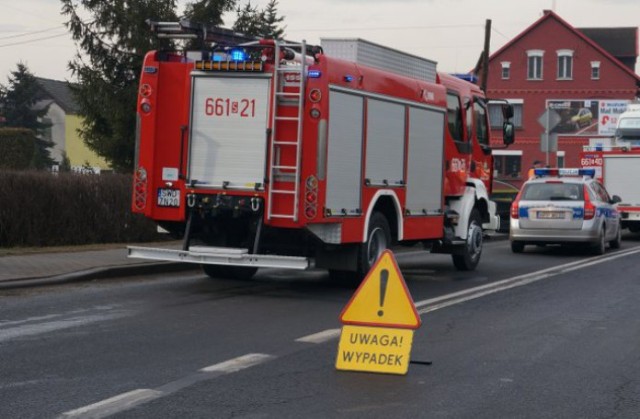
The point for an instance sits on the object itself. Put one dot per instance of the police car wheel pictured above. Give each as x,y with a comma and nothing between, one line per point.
617,242
517,247
599,247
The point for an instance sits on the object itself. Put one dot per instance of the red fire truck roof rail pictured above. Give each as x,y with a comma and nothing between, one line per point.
186,29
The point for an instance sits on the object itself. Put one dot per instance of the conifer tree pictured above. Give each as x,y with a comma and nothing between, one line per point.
17,103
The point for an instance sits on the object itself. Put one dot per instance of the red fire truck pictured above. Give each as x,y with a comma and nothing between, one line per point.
278,154
617,164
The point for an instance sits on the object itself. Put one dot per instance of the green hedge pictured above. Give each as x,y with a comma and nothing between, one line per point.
45,209
17,147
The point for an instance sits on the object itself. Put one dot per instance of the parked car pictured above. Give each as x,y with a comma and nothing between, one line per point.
565,206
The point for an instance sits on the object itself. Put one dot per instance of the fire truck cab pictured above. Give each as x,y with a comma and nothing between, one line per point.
275,154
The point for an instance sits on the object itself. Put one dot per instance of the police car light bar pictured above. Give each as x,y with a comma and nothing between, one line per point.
564,172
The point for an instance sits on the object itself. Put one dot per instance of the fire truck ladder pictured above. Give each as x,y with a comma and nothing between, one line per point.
277,143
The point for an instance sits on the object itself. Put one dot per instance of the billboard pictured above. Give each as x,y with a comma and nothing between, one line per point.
608,115
589,117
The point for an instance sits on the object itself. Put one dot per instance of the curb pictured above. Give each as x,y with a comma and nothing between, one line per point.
99,273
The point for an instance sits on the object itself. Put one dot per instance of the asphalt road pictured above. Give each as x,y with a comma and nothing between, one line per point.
548,333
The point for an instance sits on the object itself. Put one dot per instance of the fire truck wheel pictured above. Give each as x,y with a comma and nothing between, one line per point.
468,260
233,272
378,240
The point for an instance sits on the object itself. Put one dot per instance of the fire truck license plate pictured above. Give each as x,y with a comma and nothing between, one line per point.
168,197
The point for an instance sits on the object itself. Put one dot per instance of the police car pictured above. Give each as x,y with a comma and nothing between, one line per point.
564,206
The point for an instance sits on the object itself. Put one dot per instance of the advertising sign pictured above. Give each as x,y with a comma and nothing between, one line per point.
608,118
587,117
577,117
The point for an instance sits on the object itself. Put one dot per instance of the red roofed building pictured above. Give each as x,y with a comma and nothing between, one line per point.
585,77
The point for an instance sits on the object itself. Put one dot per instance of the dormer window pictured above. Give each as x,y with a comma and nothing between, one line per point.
565,64
534,64
595,70
506,70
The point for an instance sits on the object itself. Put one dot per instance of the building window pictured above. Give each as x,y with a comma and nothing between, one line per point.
507,164
565,64
506,70
534,64
560,158
595,70
495,113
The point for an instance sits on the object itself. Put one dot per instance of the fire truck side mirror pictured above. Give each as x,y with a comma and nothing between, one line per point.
508,133
507,111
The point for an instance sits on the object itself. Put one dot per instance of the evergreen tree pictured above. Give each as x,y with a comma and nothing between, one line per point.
17,100
249,20
208,11
113,39
271,20
261,23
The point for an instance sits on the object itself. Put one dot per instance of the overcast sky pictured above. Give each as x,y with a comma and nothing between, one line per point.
450,32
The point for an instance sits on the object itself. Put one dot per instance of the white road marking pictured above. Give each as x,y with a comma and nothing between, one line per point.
426,306
239,363
320,337
113,405
46,327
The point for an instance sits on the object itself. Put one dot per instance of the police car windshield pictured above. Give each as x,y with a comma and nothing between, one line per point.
553,192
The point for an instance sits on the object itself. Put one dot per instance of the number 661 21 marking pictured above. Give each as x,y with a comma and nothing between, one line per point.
245,108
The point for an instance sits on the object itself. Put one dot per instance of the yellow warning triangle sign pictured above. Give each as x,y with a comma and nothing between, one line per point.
382,299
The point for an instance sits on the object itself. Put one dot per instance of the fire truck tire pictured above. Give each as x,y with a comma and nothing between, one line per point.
232,272
378,240
469,259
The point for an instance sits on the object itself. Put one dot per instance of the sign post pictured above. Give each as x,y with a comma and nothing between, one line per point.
378,322
549,120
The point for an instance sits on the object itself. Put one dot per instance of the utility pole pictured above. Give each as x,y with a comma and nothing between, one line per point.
485,55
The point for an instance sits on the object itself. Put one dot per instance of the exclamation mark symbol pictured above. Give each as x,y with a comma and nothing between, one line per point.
384,277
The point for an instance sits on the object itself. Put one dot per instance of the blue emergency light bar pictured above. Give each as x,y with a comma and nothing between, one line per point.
564,172
238,55
314,74
472,78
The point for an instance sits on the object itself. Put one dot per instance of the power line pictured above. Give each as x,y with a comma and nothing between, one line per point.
499,33
31,33
388,28
34,40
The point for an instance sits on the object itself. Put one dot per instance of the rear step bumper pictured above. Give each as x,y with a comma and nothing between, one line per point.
219,256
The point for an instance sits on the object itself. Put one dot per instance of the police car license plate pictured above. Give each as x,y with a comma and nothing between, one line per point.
553,215
168,197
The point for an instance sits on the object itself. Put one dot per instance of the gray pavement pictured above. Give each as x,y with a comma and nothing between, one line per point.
48,267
